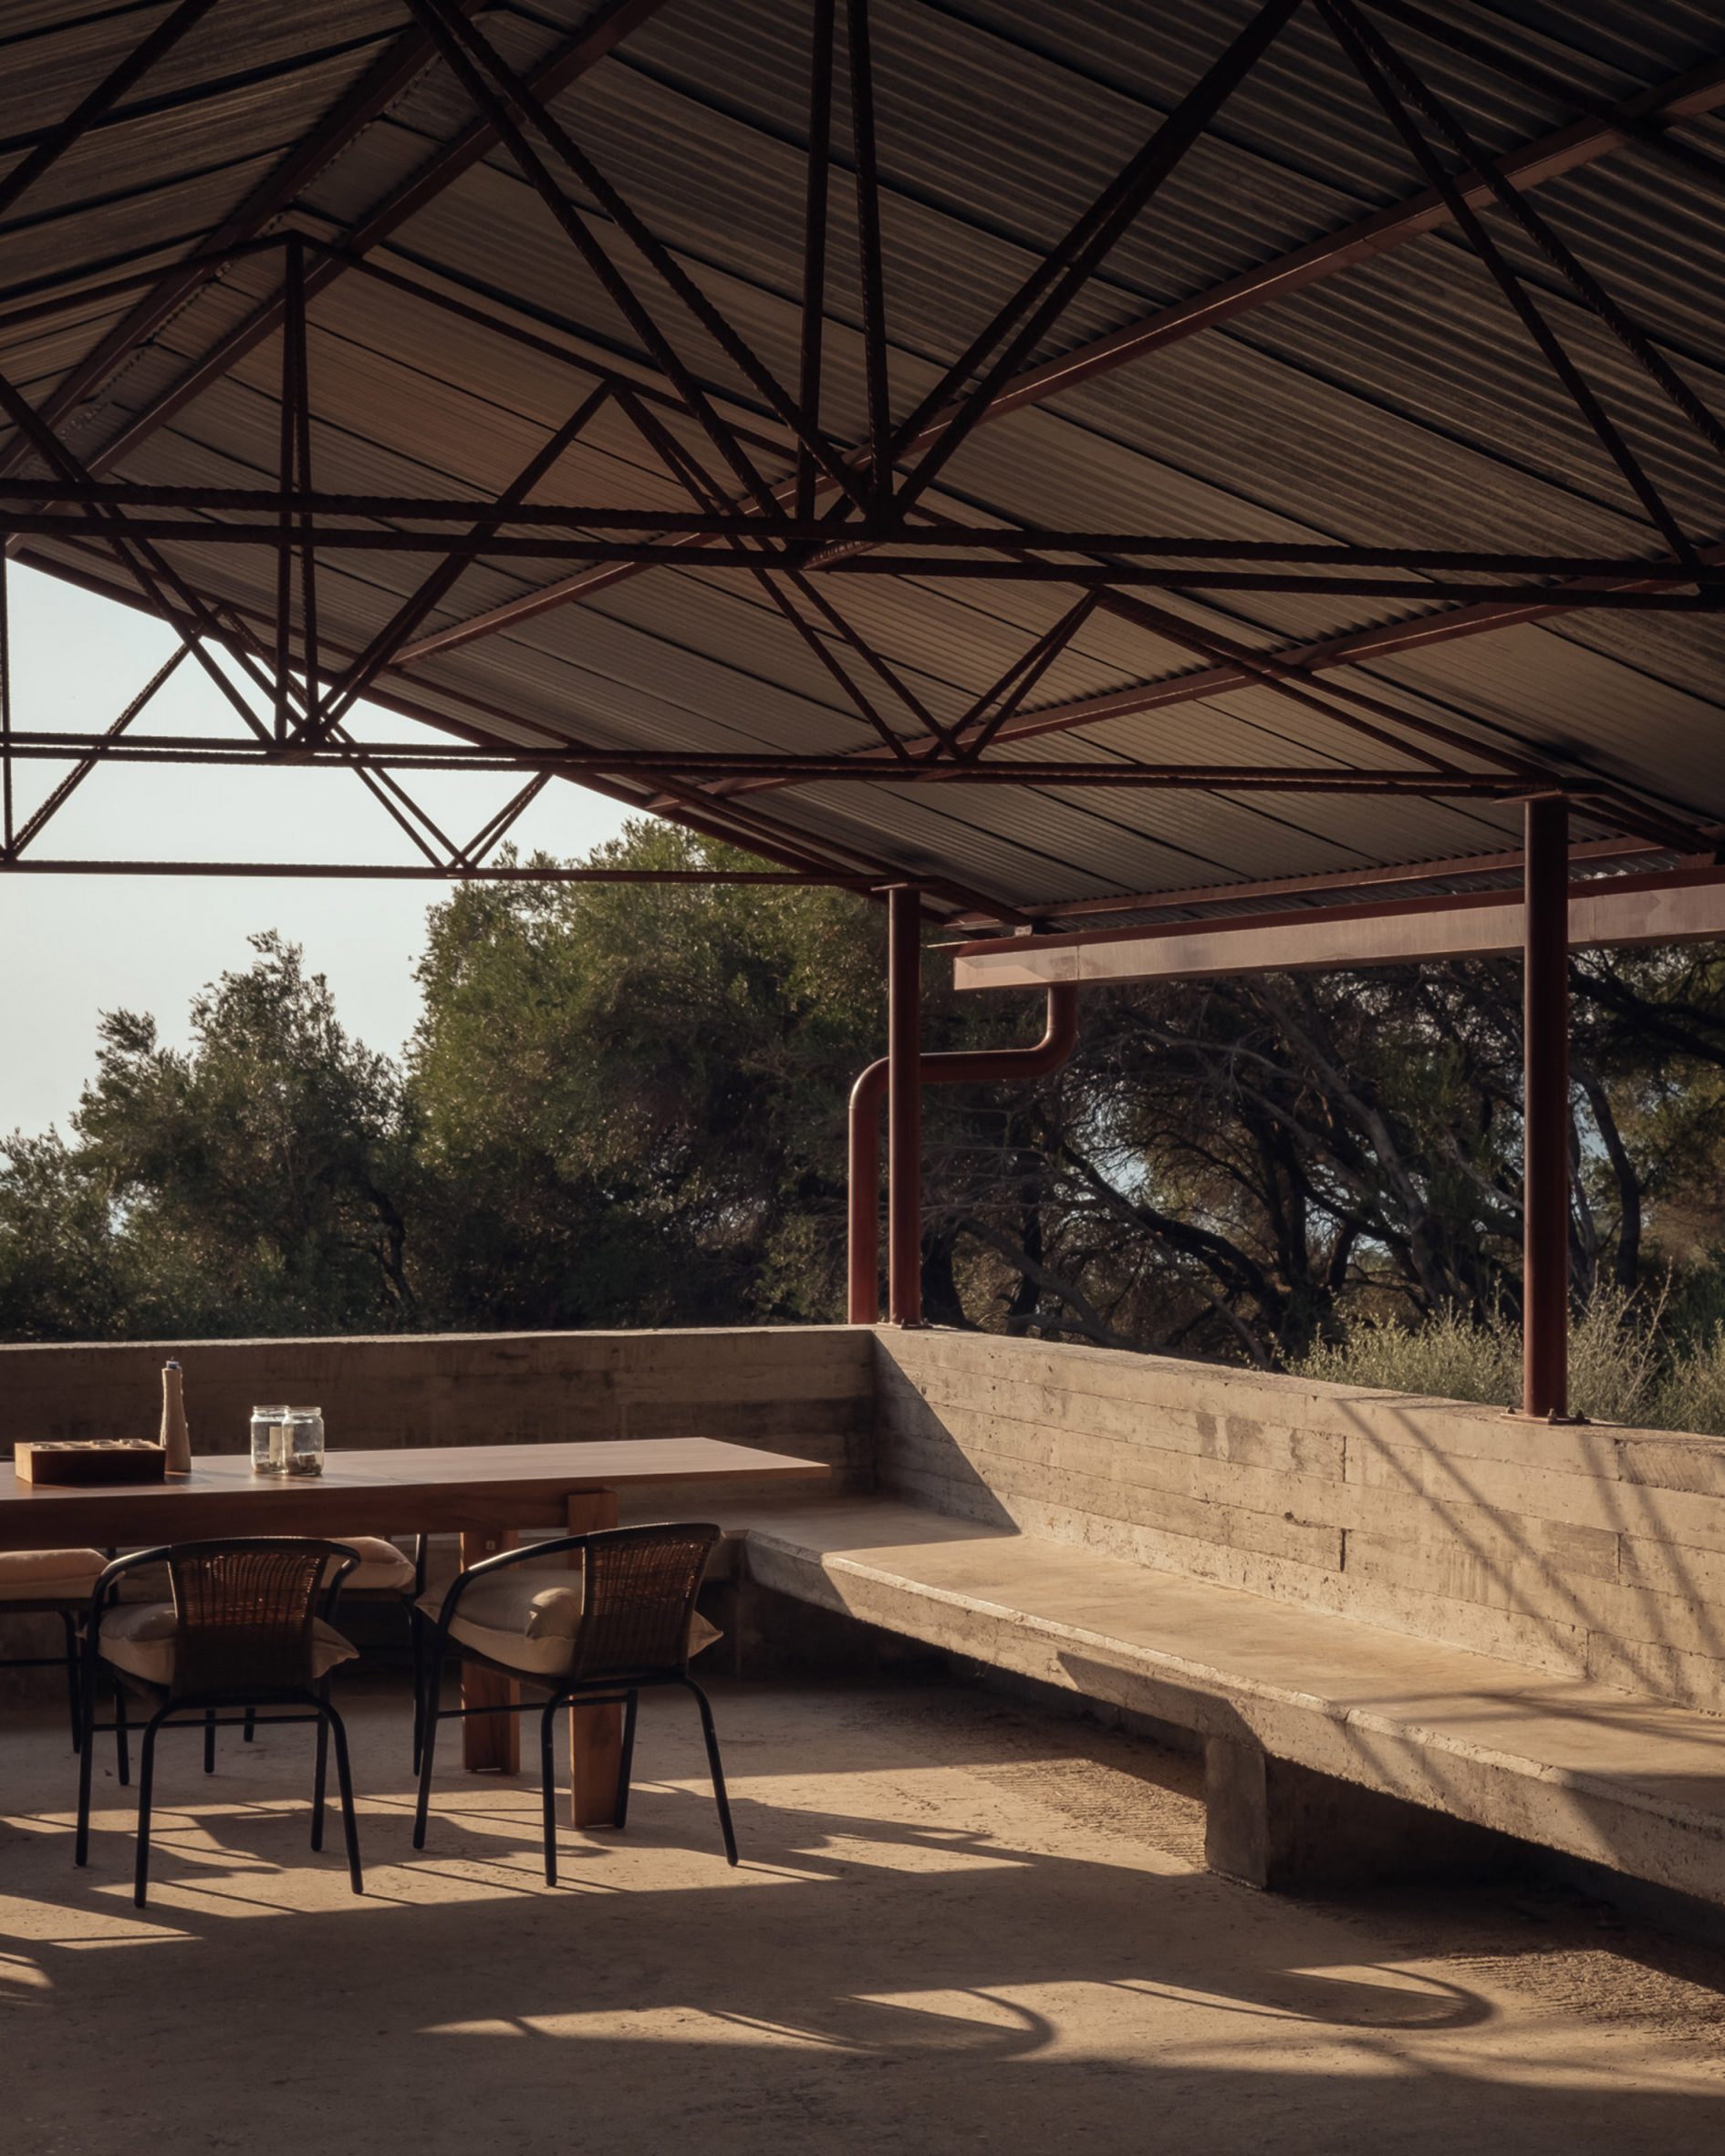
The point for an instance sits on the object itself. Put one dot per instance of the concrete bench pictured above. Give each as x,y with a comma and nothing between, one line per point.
1319,1731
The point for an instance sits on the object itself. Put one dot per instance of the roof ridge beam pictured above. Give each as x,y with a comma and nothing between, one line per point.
1688,96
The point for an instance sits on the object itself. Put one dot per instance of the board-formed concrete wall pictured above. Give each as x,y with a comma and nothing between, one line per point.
1593,1548
805,1389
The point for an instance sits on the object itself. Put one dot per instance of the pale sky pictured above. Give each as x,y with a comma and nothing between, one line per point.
72,947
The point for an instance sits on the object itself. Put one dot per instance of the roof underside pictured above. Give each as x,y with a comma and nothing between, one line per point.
1392,401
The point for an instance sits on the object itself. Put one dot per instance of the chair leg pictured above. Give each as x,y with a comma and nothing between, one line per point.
626,1766
74,1653
209,1740
146,1783
86,1765
320,1778
713,1762
121,1746
548,1784
416,1649
428,1744
344,1784
249,1734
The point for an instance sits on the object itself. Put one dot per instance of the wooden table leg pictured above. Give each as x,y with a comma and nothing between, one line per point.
595,1733
491,1743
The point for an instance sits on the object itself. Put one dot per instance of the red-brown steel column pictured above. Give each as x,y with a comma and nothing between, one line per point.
1545,1111
904,1105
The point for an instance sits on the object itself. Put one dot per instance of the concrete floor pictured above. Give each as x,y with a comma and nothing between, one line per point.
958,1926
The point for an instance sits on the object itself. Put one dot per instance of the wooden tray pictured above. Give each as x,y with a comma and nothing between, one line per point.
91,1461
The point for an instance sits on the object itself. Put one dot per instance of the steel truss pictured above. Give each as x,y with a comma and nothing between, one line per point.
774,498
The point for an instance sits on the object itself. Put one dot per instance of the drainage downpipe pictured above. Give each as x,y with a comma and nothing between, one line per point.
983,1067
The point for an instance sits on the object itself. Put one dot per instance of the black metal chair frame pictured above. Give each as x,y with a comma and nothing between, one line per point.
208,1704
408,1597
620,1687
68,1610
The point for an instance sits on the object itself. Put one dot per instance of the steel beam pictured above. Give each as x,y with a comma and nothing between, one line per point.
554,529
495,829
153,576
869,248
1322,655
815,219
1022,677
1677,906
24,497
1651,135
1457,867
584,759
411,871
458,44
1688,96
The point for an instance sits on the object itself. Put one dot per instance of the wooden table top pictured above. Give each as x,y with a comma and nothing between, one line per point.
407,1490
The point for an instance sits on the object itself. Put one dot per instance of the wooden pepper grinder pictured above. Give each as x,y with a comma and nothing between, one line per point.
175,1436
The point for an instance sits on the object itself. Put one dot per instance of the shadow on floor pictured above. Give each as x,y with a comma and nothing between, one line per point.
912,1955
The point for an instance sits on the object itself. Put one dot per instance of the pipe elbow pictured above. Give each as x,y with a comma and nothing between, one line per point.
1061,1034
869,1089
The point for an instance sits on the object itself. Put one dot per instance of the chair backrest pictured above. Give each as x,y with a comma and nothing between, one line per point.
245,1610
637,1598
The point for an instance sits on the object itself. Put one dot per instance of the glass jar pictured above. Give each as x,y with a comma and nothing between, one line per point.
287,1441
269,1441
303,1448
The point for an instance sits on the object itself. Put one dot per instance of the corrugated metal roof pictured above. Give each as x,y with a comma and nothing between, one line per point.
1397,402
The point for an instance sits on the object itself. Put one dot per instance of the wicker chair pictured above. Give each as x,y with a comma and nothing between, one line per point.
247,1629
51,1583
627,1622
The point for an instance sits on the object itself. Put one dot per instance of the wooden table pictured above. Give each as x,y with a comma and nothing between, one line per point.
484,1493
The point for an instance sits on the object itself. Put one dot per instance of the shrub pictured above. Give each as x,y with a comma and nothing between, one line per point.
1449,1357
1617,1370
1691,1395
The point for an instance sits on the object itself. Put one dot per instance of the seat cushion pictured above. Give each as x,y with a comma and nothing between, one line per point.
527,1618
381,1567
48,1575
139,1638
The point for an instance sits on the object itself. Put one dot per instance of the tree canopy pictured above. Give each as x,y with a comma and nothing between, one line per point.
625,1105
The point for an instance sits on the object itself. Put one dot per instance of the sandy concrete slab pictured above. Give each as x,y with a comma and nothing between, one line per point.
958,1925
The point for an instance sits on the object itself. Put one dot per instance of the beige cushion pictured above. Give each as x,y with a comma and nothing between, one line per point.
138,1637
381,1566
48,1575
526,1617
